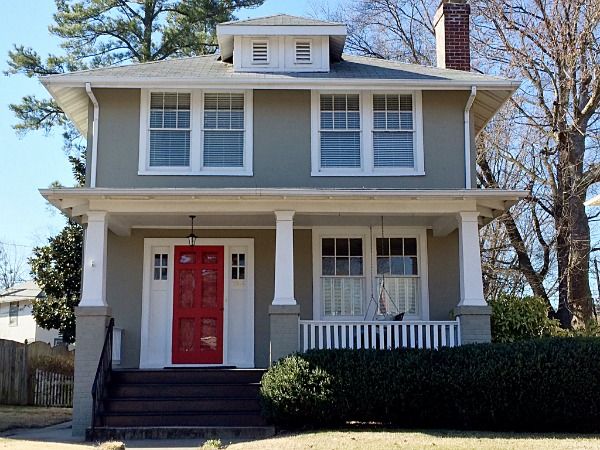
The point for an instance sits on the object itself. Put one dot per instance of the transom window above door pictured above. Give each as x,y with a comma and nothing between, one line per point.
195,133
366,134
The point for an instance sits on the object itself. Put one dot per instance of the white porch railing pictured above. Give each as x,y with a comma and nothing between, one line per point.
379,335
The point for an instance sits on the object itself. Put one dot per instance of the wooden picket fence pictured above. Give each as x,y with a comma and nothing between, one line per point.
22,383
52,389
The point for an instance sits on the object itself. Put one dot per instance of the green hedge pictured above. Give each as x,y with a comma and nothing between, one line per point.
543,385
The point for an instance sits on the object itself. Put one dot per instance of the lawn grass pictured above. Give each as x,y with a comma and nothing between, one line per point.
31,416
373,440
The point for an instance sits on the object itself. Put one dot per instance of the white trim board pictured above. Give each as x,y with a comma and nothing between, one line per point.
153,356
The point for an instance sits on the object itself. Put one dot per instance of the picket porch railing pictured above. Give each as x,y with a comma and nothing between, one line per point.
382,335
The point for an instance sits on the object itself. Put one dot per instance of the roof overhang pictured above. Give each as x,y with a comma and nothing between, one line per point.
128,207
71,96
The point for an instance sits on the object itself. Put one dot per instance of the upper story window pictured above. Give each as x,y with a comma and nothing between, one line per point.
367,134
303,51
170,129
260,52
196,133
340,131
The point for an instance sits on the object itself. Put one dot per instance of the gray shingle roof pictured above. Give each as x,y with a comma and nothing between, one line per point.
209,67
282,20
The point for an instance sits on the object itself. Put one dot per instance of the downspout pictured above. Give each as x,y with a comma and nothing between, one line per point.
468,137
94,158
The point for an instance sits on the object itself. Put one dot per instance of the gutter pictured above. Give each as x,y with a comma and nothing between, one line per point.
94,159
467,121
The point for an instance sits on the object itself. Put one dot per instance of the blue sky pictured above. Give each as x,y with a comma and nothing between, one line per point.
35,160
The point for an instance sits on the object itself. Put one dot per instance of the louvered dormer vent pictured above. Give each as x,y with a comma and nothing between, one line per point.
303,52
260,52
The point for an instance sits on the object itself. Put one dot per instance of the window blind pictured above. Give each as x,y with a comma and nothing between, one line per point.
340,131
223,130
170,129
393,131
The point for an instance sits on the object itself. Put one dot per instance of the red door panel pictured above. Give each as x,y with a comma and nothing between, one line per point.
198,305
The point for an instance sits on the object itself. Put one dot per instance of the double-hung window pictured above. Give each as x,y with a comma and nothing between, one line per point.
393,131
367,133
170,129
196,132
340,142
342,276
397,276
223,130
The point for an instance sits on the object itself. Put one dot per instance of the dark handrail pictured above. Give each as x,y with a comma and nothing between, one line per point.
103,373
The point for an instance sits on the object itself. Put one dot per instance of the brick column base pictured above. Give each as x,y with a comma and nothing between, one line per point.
474,324
91,323
285,330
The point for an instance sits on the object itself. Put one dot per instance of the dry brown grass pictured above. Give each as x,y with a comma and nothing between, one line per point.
31,416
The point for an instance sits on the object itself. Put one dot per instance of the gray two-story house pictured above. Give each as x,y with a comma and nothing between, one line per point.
275,197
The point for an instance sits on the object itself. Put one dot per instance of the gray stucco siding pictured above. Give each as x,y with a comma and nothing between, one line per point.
125,265
281,144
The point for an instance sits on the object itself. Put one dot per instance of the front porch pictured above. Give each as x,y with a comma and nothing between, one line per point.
300,269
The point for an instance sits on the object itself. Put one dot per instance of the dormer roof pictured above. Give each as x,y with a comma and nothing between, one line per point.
282,25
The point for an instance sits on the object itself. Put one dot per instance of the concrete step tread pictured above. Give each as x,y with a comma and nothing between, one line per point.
176,432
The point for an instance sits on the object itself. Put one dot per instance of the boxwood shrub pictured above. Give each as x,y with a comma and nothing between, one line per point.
542,385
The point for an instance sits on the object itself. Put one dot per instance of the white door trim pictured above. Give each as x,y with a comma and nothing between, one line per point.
170,243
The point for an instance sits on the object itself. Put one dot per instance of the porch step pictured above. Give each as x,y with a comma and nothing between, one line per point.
176,404
154,433
184,419
157,391
188,398
198,376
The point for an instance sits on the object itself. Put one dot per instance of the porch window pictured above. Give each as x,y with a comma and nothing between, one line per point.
223,130
342,276
238,266
13,314
161,266
170,129
340,131
397,275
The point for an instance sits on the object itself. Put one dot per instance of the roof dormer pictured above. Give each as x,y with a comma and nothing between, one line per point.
281,43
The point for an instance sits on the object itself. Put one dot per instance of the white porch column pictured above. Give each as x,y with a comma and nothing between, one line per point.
471,283
93,292
284,259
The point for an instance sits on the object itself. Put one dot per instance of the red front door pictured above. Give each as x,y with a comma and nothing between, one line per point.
198,305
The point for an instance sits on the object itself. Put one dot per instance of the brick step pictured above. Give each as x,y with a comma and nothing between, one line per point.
149,390
154,433
188,376
187,405
196,419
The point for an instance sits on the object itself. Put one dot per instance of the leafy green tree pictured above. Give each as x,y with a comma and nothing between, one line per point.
56,267
100,33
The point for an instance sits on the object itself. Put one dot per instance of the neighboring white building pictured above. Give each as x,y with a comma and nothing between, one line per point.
16,316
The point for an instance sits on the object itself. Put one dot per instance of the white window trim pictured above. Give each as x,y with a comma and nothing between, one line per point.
366,138
370,266
268,46
197,136
311,49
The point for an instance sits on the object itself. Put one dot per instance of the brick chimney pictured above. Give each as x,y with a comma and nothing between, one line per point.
452,35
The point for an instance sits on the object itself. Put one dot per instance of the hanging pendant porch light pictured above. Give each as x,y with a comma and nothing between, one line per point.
192,237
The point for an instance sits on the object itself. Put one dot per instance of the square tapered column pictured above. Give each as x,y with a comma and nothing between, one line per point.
284,313
472,309
91,317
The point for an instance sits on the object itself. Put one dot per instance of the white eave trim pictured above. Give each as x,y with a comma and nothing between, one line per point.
149,194
241,82
280,30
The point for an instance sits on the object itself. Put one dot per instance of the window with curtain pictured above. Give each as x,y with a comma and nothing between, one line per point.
342,276
170,129
340,131
393,131
397,275
223,130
